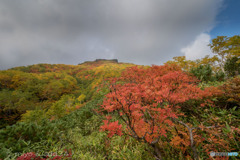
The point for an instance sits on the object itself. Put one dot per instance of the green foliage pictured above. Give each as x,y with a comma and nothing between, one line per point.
13,104
205,74
78,131
225,47
43,135
220,76
232,67
34,116
56,85
61,107
210,83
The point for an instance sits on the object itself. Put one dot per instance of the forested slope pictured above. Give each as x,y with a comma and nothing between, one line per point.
108,110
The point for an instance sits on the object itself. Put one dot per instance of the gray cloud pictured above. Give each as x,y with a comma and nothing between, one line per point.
72,31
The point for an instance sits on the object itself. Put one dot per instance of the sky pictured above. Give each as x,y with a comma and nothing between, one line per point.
137,31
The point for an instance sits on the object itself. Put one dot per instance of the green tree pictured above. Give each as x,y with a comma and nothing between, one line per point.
203,72
225,47
219,47
232,67
233,45
185,64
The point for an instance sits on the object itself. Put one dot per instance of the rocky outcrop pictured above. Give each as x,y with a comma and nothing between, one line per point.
101,60
108,60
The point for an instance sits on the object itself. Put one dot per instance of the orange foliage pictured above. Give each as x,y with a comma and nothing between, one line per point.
149,99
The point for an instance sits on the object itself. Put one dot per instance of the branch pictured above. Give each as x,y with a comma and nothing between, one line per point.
190,129
195,154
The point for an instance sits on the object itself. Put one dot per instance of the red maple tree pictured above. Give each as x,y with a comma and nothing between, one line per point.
148,102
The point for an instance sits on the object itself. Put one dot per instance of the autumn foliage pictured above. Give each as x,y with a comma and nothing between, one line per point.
148,102
26,90
157,112
232,90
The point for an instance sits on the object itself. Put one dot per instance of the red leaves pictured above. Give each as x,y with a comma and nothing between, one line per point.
148,99
29,156
112,127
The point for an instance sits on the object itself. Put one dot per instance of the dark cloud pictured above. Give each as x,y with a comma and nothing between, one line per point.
72,31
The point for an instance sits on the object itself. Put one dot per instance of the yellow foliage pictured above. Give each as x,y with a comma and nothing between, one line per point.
81,98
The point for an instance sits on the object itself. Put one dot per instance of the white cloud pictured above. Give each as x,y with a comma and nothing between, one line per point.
198,48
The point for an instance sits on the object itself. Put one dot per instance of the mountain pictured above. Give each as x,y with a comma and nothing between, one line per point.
105,109
37,87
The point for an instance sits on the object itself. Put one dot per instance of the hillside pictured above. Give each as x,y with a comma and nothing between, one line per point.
38,87
104,109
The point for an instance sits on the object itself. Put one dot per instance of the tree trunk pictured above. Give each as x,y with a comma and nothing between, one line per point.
157,152
222,64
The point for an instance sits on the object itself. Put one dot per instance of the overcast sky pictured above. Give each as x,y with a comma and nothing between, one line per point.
72,31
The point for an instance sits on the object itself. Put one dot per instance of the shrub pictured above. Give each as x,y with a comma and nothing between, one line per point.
148,106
